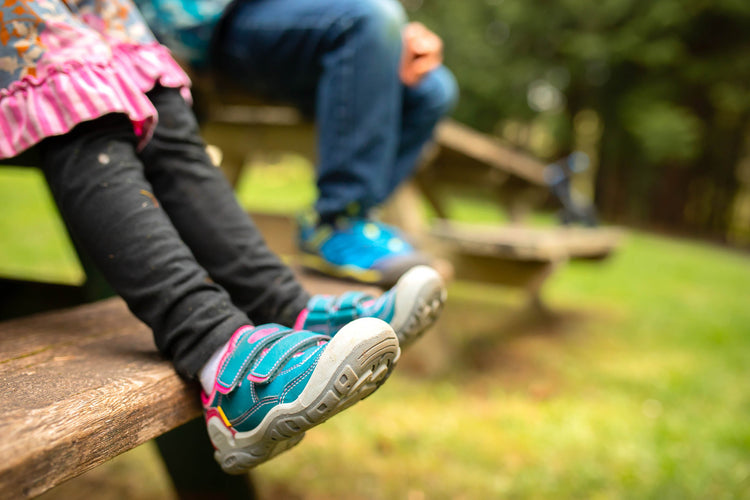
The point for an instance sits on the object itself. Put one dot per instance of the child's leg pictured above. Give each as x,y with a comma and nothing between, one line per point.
205,212
271,383
225,241
98,183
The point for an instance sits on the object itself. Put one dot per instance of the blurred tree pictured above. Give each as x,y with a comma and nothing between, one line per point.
668,81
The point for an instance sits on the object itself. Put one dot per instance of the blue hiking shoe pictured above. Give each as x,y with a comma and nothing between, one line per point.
359,249
410,307
275,383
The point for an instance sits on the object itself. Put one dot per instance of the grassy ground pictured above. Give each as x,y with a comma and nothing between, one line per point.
635,386
34,245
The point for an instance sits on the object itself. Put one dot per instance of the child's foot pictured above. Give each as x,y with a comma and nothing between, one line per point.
410,307
275,383
358,248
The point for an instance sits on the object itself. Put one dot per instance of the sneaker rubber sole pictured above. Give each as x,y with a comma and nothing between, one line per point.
320,265
420,297
356,361
397,267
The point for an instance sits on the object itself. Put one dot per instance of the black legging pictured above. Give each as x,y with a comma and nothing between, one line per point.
165,229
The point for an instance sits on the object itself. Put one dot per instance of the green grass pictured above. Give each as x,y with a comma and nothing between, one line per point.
635,386
34,241
287,186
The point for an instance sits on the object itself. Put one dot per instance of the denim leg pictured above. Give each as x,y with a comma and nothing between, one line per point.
204,210
424,105
110,209
339,57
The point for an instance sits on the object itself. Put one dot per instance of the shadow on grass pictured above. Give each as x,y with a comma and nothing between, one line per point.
501,340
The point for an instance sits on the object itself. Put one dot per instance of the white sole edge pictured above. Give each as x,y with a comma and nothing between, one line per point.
420,297
353,365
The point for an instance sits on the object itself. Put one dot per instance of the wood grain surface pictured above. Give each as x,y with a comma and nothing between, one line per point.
81,386
525,243
454,136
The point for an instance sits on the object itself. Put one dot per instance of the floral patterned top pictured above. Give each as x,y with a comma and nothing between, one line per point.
63,62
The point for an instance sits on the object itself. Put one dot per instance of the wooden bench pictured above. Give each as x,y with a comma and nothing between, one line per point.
85,384
82,386
519,256
515,254
244,128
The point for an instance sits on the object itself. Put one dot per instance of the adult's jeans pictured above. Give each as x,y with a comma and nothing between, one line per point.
338,60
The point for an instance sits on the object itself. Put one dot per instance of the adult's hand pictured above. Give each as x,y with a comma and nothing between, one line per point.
422,52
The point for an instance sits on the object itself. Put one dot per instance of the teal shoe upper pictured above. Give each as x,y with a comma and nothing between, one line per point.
358,248
356,242
328,313
267,366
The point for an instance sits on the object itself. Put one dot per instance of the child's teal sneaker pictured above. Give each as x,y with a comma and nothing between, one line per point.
274,383
410,307
357,248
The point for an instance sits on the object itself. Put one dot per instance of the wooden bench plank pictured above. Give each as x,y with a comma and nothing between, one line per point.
516,255
526,243
83,385
460,139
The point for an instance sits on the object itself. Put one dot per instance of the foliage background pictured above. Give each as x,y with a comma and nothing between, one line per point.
656,93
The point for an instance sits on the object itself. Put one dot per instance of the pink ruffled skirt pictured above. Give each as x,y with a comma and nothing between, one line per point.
33,108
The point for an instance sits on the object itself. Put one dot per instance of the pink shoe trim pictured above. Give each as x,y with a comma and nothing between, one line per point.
301,318
260,334
257,380
264,332
206,399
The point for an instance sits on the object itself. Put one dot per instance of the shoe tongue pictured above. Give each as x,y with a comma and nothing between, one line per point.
373,307
280,352
260,333
351,300
328,313
244,352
